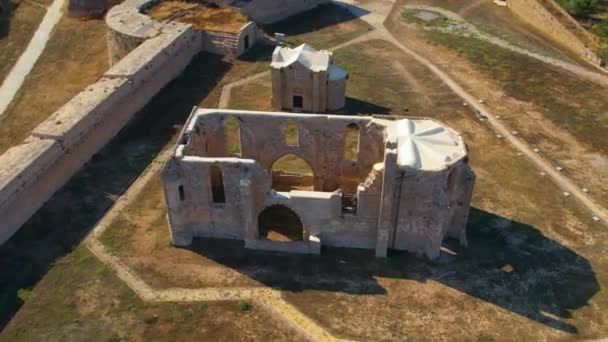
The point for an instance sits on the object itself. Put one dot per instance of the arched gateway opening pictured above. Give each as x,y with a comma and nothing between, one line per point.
279,223
291,172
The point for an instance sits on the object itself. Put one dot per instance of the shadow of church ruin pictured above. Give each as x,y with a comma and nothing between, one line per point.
507,263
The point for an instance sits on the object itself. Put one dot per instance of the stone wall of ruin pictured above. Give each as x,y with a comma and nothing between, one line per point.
549,17
31,172
397,207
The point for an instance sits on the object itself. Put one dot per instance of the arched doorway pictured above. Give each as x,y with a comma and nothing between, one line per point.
279,223
291,172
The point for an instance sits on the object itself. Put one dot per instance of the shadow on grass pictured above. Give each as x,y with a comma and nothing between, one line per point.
66,218
321,17
507,263
6,10
355,106
258,53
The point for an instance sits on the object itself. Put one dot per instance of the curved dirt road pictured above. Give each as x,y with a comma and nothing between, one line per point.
379,11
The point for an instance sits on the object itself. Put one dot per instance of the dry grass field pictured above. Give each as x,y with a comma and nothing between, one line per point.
75,56
208,18
535,267
534,264
562,115
33,253
16,30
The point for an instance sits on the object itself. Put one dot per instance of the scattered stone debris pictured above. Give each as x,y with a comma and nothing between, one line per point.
559,168
585,190
536,150
595,218
566,193
542,173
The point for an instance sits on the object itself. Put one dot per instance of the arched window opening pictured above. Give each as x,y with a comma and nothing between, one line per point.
232,136
216,180
279,223
351,142
182,194
290,131
291,172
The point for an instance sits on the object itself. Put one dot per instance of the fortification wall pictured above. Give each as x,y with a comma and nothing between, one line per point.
30,173
128,28
547,16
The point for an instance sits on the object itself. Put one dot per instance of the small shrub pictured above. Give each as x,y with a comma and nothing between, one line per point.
244,305
408,14
24,294
603,54
579,7
602,28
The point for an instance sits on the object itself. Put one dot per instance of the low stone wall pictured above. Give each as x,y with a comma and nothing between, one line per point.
548,17
30,173
128,27
231,44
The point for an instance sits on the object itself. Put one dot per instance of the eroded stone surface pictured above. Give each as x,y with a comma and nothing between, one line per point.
392,205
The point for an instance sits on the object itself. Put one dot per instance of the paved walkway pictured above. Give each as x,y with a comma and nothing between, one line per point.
379,11
13,81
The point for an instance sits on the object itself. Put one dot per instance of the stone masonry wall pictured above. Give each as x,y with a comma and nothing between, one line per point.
31,172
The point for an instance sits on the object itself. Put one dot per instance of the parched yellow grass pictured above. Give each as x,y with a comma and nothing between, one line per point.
222,19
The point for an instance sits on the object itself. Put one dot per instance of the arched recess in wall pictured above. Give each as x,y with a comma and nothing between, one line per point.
290,133
291,172
216,183
279,223
351,142
232,136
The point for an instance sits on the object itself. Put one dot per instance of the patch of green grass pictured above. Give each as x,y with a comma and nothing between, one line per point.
244,305
24,294
408,14
602,29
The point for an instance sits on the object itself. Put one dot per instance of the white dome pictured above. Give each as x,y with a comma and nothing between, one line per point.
427,145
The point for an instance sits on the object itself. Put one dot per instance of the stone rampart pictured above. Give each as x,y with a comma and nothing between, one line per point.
32,172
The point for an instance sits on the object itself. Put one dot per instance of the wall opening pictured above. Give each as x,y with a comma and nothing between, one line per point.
451,181
279,223
232,136
246,42
291,172
216,180
290,132
298,102
351,142
182,194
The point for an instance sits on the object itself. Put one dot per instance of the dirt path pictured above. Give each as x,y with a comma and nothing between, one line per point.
573,68
227,89
379,11
13,81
